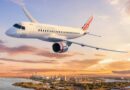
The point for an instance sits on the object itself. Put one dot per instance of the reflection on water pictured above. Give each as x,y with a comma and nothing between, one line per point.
115,80
6,83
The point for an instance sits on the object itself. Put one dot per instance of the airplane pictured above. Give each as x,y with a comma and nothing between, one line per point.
61,36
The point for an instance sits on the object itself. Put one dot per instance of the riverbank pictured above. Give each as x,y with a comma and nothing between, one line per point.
73,86
6,83
30,85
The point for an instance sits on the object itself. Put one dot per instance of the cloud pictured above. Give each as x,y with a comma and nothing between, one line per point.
122,5
127,7
25,49
22,49
103,17
100,55
45,70
17,50
121,72
53,55
118,65
73,65
114,2
66,63
30,61
1,42
18,2
81,64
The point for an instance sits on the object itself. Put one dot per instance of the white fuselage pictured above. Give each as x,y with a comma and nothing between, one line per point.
58,34
45,32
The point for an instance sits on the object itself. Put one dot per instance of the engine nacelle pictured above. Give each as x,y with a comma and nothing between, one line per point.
60,47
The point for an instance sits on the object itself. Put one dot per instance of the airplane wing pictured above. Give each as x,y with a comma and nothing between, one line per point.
94,47
29,16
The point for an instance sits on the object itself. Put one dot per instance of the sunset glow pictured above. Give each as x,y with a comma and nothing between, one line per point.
24,57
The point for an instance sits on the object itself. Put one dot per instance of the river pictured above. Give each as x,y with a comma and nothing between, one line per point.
6,83
115,80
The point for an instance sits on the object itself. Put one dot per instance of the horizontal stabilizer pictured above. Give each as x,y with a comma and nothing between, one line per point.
91,34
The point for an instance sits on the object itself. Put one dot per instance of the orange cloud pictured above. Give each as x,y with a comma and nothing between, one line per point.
80,64
119,65
128,7
45,70
25,49
52,55
100,55
30,61
17,50
122,72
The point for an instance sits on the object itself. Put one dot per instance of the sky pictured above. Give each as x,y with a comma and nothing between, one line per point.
111,21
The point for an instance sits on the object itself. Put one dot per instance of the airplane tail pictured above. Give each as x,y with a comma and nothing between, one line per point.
86,25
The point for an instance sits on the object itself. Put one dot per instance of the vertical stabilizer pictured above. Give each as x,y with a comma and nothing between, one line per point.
86,25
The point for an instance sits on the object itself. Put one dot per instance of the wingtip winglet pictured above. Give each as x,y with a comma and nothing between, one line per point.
27,13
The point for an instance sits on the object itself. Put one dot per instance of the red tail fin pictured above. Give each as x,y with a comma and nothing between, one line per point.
86,25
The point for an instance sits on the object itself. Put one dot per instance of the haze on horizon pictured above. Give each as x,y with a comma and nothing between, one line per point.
111,21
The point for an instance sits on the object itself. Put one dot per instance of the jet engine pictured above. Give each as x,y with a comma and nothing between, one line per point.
60,47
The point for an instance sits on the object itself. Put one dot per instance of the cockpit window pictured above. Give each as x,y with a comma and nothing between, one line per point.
19,26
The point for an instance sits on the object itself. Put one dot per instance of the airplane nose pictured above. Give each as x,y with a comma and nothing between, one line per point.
11,32
7,32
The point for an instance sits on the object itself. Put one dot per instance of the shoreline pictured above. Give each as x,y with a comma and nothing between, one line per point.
88,86
6,83
29,85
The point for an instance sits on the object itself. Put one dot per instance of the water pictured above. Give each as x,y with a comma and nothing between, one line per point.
6,83
114,80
